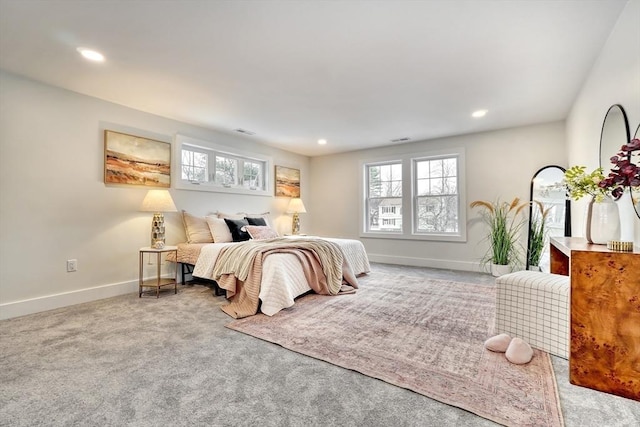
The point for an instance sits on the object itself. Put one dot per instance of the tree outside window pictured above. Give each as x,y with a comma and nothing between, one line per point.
432,192
226,171
252,175
384,201
195,166
206,166
436,195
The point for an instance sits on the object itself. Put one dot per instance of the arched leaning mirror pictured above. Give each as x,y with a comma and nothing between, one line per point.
549,215
635,191
615,134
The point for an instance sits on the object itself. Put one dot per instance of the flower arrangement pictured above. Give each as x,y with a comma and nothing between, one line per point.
504,224
579,183
625,173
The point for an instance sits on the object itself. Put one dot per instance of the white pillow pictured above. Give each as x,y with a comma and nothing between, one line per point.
196,229
219,229
223,215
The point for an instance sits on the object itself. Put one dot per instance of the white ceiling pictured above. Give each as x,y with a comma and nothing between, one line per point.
358,73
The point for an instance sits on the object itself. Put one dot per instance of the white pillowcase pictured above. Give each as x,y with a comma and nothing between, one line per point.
195,227
223,215
219,230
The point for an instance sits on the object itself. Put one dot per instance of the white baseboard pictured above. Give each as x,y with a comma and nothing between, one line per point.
427,262
50,302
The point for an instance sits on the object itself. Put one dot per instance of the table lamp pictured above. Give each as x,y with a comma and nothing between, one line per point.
295,207
158,201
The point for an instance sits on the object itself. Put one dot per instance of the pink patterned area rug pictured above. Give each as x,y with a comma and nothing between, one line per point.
422,334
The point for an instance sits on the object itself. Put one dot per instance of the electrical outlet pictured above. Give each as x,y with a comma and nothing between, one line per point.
72,265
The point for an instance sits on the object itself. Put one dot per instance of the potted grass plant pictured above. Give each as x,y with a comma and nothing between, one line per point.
504,222
537,235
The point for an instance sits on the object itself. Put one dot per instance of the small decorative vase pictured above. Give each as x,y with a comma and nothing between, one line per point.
534,268
602,222
500,270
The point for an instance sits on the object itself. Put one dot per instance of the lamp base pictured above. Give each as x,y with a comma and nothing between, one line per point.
157,231
295,225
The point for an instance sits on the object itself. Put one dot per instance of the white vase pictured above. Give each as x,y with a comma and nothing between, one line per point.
500,270
602,221
636,231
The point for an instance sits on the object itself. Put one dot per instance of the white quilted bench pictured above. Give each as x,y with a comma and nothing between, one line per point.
534,306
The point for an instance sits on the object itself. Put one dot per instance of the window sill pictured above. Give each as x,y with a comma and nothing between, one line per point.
423,237
186,185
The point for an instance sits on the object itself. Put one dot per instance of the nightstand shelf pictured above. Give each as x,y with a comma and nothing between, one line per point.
159,281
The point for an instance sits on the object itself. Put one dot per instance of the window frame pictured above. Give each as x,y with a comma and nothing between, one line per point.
197,150
410,197
215,151
365,208
417,197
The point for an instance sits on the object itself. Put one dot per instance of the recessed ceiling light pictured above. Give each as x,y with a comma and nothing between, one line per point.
322,141
91,55
479,113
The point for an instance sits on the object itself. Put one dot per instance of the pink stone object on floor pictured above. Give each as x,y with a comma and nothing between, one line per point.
498,343
519,352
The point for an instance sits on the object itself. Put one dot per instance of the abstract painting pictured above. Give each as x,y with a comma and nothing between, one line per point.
287,182
134,160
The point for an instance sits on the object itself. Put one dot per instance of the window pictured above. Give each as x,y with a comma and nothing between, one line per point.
226,171
209,167
253,172
390,209
384,197
436,195
194,165
419,196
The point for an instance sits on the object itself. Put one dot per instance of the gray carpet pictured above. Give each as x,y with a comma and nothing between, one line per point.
171,361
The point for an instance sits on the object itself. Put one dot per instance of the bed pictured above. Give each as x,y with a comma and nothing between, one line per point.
283,276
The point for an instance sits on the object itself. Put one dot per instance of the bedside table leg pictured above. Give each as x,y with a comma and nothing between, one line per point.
158,263
140,275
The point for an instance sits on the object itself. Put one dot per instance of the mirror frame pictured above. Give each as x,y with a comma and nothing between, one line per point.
636,207
567,210
611,152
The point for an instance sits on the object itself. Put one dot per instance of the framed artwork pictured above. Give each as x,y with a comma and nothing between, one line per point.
134,160
287,182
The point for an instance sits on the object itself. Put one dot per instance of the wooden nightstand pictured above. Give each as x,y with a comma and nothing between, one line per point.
605,314
159,281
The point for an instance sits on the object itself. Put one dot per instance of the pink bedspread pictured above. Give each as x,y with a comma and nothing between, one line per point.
239,270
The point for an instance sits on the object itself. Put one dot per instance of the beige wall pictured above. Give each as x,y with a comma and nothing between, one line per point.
499,164
614,79
54,205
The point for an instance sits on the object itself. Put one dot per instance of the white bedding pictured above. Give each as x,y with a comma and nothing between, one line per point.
282,275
